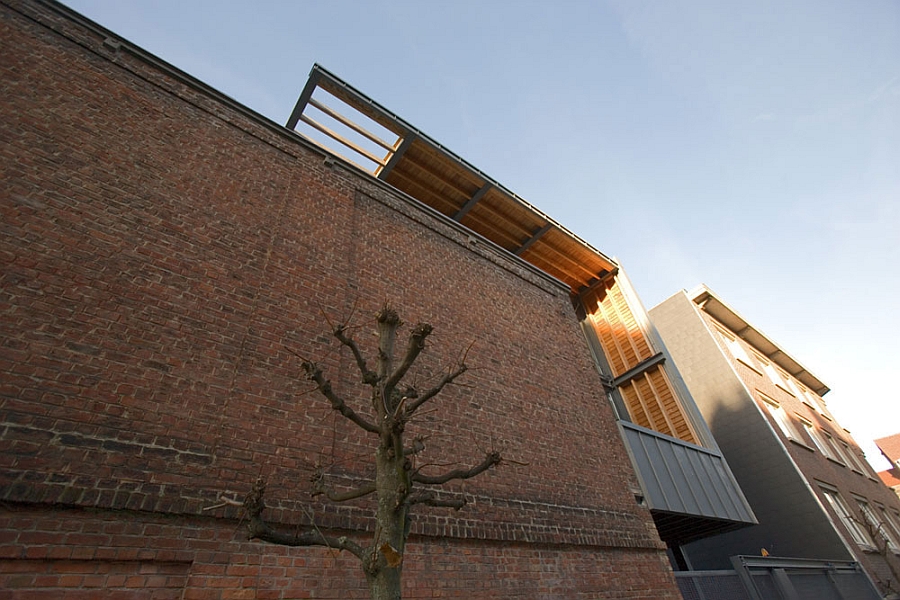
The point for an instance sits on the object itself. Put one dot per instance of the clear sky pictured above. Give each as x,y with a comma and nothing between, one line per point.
750,146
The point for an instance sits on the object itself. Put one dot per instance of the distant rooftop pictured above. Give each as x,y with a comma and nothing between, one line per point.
889,479
890,447
343,121
713,305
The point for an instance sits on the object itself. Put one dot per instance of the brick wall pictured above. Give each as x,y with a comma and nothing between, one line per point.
138,555
166,256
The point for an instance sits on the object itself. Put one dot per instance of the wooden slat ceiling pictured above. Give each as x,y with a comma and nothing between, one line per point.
422,168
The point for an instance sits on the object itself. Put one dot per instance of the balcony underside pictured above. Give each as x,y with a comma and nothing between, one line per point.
690,490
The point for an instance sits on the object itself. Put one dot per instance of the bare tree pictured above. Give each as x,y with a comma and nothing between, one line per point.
397,485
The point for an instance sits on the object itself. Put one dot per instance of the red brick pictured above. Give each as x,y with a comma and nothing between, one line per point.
166,256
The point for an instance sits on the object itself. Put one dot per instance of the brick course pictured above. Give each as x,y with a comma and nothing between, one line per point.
166,256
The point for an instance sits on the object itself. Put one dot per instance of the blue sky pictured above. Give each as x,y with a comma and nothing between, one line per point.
754,147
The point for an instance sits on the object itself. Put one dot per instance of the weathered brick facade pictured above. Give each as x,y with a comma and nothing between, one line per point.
166,255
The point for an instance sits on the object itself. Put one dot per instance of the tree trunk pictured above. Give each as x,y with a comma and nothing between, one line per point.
393,484
385,585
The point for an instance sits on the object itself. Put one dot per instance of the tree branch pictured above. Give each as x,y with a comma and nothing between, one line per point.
314,373
489,461
368,376
319,489
447,379
387,321
413,348
430,499
258,529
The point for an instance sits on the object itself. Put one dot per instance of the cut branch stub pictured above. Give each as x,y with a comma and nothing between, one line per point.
418,446
387,321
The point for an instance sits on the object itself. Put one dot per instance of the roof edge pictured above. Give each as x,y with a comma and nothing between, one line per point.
722,311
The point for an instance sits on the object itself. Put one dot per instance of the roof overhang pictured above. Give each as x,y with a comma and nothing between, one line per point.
346,123
714,306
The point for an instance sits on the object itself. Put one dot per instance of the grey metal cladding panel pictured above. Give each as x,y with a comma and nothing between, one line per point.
703,491
730,500
735,498
661,489
715,491
720,493
644,467
675,488
681,479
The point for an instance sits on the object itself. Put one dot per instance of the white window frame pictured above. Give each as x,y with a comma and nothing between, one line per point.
850,523
773,375
890,532
836,454
781,418
813,432
735,347
796,391
855,461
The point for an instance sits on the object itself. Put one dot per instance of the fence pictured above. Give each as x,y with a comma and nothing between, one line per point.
774,578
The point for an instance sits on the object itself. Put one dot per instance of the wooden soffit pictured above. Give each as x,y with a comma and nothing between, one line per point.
335,116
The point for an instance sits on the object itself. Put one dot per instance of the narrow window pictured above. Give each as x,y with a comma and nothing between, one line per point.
773,375
856,462
817,439
835,449
780,417
851,523
890,532
735,347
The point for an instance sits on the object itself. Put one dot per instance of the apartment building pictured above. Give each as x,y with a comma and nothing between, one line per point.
813,492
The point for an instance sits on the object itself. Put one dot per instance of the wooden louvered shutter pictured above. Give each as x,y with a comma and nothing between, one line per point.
649,396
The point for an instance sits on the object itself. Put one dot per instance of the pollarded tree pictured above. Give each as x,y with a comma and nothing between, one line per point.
397,485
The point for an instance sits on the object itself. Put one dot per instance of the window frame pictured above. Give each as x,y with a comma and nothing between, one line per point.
781,418
891,530
837,454
735,348
818,441
858,534
856,463
772,373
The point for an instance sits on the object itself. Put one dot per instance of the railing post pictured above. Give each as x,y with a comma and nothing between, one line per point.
783,582
746,578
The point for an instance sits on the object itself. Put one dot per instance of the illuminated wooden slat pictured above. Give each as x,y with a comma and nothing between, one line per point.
690,434
637,414
343,157
654,425
352,125
664,409
339,138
